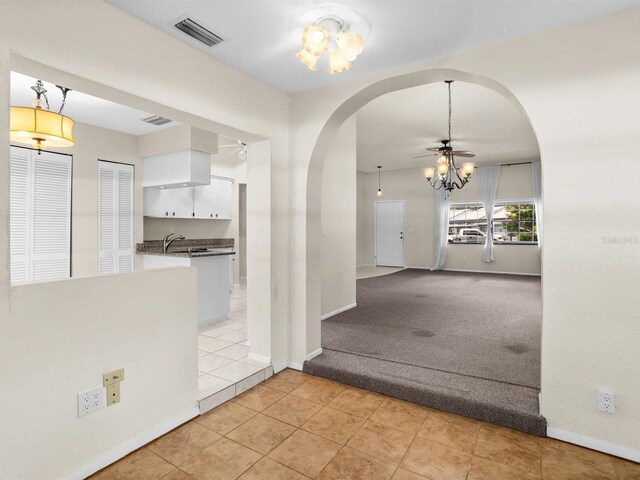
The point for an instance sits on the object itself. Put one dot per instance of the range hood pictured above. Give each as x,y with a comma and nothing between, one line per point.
185,168
177,157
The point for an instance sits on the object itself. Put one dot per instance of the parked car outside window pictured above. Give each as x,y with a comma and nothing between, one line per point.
472,235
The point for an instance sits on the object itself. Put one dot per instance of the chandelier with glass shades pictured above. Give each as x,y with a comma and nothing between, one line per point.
333,30
448,176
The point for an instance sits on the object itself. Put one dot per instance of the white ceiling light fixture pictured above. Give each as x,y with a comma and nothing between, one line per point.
332,29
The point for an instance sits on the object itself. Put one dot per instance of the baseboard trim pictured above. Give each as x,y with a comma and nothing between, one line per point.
259,358
211,321
313,354
477,271
299,365
129,446
365,265
594,444
335,312
278,367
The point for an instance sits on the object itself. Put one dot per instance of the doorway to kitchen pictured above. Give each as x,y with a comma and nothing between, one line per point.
197,197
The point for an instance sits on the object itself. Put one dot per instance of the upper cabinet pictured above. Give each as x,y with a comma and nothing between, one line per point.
184,168
213,201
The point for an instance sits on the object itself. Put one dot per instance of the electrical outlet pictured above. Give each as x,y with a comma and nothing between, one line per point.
90,401
606,401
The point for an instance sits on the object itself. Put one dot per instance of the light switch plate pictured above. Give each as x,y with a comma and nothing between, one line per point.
115,376
113,394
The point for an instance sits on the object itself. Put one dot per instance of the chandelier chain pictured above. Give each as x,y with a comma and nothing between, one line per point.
64,90
449,85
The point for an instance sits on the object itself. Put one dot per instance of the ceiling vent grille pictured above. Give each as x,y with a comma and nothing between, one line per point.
197,31
156,120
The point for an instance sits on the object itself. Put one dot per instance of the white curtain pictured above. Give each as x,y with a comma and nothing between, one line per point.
442,227
488,178
536,171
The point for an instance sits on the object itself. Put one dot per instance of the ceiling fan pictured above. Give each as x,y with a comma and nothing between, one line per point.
446,148
242,153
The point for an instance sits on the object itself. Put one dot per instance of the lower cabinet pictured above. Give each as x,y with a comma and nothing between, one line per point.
212,201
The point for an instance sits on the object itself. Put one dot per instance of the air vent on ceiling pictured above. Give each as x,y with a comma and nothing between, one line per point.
156,120
197,31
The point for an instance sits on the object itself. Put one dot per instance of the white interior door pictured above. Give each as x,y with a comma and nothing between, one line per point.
390,234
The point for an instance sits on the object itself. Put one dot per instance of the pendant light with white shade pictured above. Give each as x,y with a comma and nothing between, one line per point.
38,126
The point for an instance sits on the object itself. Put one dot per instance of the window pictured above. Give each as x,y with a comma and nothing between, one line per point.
115,222
40,215
514,222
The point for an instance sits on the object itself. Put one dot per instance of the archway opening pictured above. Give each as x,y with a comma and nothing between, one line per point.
408,332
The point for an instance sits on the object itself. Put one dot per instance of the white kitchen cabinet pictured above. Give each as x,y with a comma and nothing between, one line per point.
180,202
168,203
152,202
213,283
214,201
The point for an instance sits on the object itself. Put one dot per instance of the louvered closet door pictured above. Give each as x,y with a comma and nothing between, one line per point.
115,223
51,233
125,218
20,214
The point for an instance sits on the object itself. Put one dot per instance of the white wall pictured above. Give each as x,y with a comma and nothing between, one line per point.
339,222
578,86
58,338
51,331
409,185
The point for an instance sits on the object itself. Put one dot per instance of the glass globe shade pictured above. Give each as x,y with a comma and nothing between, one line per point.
352,45
337,62
308,59
315,39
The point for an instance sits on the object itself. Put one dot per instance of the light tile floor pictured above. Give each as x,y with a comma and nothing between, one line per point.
223,350
295,427
368,271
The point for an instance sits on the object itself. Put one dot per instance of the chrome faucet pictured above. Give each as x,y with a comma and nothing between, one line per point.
168,239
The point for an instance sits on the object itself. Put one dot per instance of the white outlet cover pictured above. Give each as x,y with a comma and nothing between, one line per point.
606,401
90,401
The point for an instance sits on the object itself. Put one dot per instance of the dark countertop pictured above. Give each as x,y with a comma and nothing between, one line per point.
195,248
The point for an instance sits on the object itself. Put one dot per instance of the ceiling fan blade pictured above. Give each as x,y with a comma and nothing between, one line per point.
235,145
463,153
427,155
433,149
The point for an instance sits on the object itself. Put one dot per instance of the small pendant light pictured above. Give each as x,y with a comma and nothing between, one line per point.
379,189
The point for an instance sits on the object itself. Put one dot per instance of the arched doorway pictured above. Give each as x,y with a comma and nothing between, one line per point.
325,139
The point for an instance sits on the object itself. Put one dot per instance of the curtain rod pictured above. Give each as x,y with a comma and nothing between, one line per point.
510,164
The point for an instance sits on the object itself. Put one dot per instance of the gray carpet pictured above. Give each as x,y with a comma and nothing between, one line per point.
465,343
